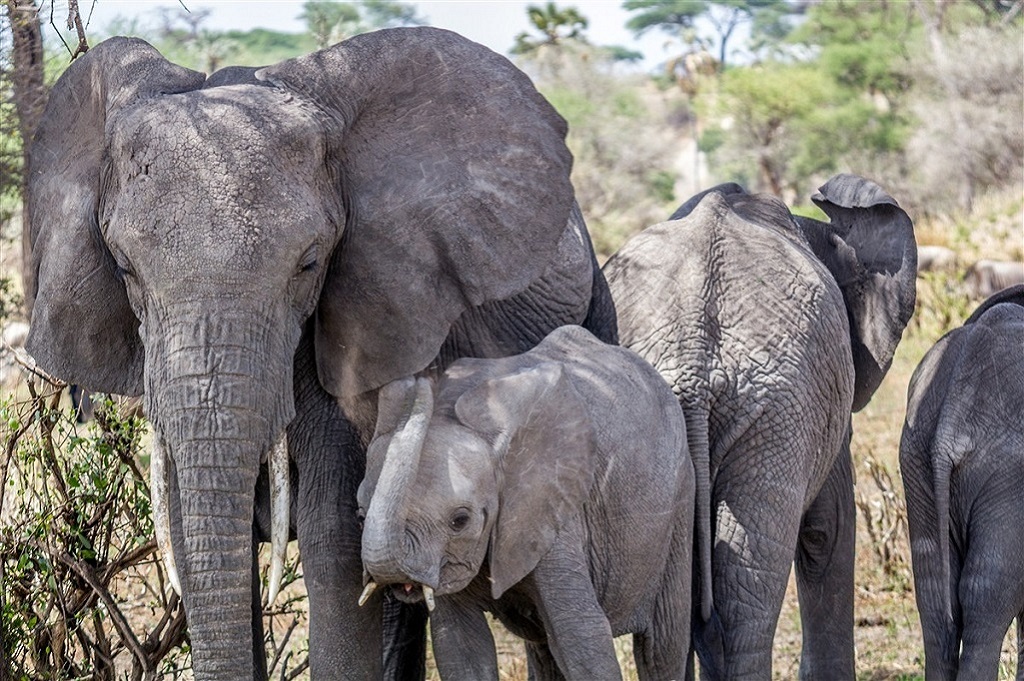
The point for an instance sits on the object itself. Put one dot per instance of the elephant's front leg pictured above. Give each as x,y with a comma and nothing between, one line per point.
578,632
824,572
462,640
344,639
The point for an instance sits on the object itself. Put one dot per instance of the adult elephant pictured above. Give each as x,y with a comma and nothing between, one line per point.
254,250
962,461
771,329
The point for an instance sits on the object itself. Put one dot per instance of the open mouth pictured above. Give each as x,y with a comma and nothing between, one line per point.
406,592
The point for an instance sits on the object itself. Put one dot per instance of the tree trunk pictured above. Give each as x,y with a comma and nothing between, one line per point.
29,100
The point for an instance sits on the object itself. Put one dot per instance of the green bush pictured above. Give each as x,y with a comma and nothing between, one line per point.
84,593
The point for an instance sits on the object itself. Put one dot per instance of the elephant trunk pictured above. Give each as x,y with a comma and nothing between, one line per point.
384,528
219,408
216,501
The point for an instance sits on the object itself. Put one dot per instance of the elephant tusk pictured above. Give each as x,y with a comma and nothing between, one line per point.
367,592
428,596
280,499
159,499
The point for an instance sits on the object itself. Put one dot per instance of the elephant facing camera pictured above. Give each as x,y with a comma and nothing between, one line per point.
553,489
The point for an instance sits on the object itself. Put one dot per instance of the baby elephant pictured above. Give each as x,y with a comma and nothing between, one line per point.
553,489
962,458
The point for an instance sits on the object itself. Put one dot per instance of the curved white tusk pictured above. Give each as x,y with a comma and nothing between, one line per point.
159,499
367,592
279,509
428,596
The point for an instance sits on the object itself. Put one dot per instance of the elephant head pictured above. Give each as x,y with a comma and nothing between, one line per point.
490,472
183,232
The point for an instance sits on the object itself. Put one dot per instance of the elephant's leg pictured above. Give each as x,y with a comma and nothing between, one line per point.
462,640
344,639
577,629
662,653
663,650
992,577
405,639
984,623
824,572
757,518
541,663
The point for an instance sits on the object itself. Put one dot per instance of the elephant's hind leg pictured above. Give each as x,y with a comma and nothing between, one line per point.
991,588
662,651
750,565
824,572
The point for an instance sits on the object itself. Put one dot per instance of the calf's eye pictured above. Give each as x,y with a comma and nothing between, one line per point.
459,520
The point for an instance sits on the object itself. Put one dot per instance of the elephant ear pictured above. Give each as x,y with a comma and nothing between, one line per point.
455,178
544,445
83,329
870,250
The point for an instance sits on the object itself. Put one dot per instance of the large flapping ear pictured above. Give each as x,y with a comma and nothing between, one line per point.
83,329
870,249
545,446
455,178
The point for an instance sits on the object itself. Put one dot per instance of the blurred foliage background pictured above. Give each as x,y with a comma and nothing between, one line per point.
925,97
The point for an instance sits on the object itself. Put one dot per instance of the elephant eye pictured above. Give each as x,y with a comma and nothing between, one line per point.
459,520
122,268
309,261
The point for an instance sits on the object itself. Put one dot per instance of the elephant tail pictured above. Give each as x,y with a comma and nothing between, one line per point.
697,439
942,472
952,444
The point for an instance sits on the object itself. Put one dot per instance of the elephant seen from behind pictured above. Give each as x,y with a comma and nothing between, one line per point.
771,329
252,249
962,461
552,489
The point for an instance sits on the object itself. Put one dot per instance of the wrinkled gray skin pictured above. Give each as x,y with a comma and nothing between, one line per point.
770,329
552,489
254,249
962,460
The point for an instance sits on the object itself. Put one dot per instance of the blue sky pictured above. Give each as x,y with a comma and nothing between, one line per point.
494,23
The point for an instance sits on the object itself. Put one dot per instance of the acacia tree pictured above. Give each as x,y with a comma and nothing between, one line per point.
678,17
330,22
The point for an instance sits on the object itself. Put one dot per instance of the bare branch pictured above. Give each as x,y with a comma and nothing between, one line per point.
75,22
86,573
29,364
